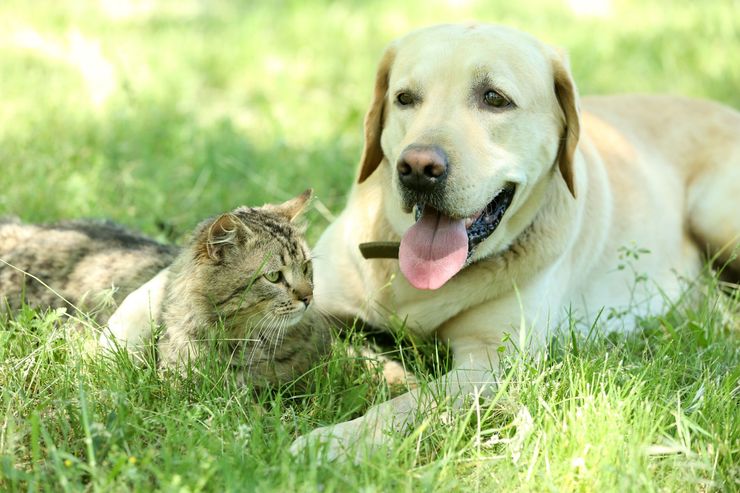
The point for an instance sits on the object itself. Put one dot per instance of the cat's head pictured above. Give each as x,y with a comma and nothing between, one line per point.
253,266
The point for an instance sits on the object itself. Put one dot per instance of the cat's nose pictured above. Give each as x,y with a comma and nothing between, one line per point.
307,299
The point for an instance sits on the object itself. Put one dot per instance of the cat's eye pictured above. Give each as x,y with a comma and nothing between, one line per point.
496,99
274,276
306,268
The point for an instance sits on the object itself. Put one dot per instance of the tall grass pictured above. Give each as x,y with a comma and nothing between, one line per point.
157,115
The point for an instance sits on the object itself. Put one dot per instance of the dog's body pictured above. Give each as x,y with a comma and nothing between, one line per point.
593,194
566,259
525,204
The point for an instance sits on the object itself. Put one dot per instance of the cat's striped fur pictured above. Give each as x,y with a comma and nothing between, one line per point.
83,264
240,286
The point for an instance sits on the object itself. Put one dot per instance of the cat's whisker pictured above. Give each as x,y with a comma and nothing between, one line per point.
280,333
270,337
328,317
262,336
252,328
315,256
267,332
254,336
263,327
277,321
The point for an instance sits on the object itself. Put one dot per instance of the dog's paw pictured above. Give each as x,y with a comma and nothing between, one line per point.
321,441
350,440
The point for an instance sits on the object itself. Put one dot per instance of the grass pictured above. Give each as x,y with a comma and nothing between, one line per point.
158,116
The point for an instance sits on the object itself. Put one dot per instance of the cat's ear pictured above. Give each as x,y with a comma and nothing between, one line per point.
293,208
224,232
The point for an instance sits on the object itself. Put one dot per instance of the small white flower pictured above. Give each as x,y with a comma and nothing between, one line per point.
495,438
243,432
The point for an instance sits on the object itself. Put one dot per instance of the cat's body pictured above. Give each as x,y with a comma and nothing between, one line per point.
240,286
91,264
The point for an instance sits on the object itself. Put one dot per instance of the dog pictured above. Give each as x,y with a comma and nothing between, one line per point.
515,206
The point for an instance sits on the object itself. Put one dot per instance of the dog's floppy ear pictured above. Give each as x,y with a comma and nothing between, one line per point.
372,154
565,91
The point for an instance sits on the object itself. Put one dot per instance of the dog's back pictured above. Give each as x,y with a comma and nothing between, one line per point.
694,153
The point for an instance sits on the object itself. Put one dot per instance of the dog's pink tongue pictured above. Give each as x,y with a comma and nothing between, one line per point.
433,250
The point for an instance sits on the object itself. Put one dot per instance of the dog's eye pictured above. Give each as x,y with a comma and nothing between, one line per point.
405,99
493,98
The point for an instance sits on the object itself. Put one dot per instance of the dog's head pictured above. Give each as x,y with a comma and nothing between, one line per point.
472,122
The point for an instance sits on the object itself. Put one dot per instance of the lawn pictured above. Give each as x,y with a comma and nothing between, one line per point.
158,114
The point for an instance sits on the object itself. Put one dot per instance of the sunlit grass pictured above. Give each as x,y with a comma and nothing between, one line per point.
157,115
657,410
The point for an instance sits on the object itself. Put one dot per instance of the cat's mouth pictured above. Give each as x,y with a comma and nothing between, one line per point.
299,309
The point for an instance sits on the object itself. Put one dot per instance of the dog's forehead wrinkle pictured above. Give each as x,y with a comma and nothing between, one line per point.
406,83
497,76
423,77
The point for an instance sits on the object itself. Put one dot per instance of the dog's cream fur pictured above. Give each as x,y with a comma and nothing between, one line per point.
641,172
593,176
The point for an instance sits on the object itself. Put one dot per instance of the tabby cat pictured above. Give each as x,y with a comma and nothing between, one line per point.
244,279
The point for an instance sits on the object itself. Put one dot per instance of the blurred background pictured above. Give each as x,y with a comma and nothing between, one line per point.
159,113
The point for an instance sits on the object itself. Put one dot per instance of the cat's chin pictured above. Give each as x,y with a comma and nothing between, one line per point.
296,316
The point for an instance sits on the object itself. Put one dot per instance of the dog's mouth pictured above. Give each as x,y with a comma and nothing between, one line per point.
438,246
483,223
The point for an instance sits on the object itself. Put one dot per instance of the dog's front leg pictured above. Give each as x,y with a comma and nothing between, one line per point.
351,439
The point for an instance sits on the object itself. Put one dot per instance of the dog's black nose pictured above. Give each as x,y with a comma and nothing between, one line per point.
422,168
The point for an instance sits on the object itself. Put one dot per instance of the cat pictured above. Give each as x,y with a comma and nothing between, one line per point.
249,273
243,281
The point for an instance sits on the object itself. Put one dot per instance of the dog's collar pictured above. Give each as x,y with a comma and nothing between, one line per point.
379,249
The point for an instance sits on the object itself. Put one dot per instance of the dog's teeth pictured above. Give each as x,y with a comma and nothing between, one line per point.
470,220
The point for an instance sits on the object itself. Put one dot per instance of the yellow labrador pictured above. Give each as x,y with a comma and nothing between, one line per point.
513,201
